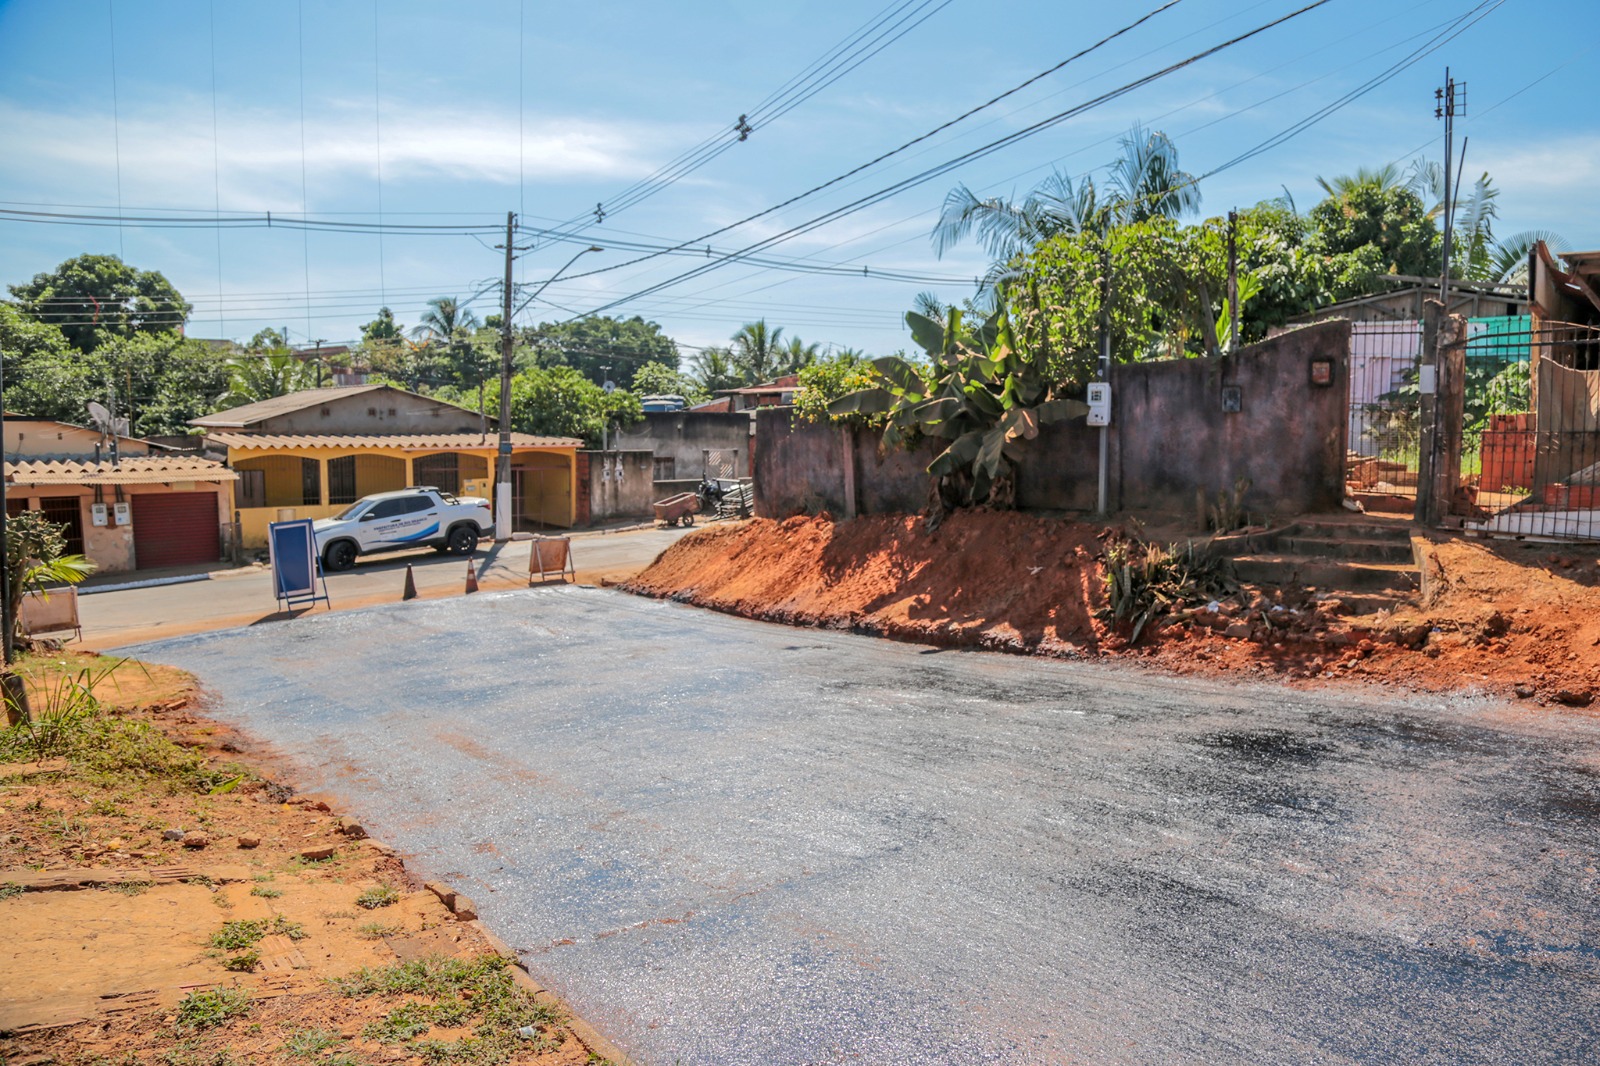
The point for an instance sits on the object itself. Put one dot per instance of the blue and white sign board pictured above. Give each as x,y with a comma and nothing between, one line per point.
296,569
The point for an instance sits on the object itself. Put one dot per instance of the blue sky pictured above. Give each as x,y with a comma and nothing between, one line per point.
455,114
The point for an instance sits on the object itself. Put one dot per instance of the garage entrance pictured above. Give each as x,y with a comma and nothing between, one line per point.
175,529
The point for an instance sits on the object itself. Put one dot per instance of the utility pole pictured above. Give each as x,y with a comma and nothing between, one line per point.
502,480
1105,374
1233,280
11,684
1447,103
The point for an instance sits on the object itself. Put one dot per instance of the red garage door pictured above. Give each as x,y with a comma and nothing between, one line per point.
175,529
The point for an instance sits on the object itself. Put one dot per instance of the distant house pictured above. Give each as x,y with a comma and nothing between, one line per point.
776,393
312,453
142,508
1403,302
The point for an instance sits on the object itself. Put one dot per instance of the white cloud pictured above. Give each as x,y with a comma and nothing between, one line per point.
167,151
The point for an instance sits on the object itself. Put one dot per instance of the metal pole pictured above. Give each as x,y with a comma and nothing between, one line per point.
1447,110
502,481
5,555
1105,372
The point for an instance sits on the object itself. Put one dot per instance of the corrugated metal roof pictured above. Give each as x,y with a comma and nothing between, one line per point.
280,405
410,442
134,470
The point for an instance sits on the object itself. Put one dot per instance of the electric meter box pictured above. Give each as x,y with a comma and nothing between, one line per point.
124,513
97,514
1099,403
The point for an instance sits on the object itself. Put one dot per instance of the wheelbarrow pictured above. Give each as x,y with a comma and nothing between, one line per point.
678,510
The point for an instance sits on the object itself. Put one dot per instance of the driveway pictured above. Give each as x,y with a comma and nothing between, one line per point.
729,842
239,597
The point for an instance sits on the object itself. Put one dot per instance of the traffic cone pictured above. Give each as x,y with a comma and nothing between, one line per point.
472,578
410,592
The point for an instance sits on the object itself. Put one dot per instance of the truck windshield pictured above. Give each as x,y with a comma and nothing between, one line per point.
351,511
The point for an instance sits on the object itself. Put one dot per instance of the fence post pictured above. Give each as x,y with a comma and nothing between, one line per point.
1449,415
849,435
1427,389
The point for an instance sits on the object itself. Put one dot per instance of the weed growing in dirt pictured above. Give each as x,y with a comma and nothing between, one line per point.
376,930
219,900
1144,581
247,932
207,1010
378,896
9,889
266,893
478,992
310,1043
107,808
129,888
243,962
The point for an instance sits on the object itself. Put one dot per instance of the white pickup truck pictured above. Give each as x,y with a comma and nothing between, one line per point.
406,518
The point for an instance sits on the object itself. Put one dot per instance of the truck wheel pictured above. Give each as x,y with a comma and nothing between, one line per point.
463,540
340,555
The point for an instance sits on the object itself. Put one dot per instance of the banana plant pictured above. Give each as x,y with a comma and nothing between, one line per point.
980,395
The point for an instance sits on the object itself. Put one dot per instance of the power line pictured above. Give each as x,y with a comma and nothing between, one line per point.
976,153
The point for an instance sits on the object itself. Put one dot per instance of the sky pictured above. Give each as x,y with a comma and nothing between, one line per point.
384,114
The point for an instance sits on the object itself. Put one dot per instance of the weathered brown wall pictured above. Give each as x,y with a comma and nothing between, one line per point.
685,437
1169,439
1288,438
619,484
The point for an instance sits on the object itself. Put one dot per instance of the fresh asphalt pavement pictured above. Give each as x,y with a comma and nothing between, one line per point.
242,596
731,842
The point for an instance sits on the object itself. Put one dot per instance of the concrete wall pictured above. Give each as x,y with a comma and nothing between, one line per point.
619,484
1170,439
379,411
29,438
685,436
1288,438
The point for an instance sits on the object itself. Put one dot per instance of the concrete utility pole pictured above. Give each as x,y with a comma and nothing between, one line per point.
1233,280
502,476
1105,375
1448,102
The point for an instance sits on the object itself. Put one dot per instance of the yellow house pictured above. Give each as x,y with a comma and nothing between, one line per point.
284,476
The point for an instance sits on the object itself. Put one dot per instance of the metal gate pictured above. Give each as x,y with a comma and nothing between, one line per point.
1385,409
1530,455
68,511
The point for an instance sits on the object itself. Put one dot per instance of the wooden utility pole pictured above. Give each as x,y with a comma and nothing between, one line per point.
1427,414
1448,102
502,478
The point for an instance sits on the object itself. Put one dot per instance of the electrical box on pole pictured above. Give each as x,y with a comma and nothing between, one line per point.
1099,400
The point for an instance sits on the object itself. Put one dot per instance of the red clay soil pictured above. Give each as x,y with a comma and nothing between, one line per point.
1505,619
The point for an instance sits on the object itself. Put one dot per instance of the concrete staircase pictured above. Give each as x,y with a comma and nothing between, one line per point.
1365,558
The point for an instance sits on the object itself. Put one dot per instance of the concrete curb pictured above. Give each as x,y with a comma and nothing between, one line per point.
148,583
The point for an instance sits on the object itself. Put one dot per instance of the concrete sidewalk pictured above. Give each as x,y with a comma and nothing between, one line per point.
243,596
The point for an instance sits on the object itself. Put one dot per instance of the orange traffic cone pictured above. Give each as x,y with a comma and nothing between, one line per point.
410,592
472,578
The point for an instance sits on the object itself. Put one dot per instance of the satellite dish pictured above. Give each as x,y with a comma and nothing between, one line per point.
610,386
99,415
120,426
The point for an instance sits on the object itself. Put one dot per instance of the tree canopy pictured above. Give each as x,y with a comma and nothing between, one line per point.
603,348
559,401
90,295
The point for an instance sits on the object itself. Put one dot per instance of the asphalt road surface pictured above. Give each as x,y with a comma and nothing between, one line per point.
729,842
242,596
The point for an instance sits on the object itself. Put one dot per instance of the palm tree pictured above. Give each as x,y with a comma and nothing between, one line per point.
1388,176
797,354
1508,258
714,369
756,351
444,316
255,378
1145,182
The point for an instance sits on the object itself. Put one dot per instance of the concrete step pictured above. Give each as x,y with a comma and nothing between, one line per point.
1312,527
1363,549
1286,570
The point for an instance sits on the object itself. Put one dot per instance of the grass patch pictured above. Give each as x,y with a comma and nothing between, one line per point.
129,888
378,896
477,992
248,932
266,893
376,930
210,1009
10,889
243,962
310,1043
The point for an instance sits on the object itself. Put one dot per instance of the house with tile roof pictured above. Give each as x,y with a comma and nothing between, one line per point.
125,503
312,453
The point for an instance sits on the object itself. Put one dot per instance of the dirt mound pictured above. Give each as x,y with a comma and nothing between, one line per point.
1513,620
982,579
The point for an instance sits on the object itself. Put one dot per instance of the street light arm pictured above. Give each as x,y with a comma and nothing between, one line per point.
546,283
